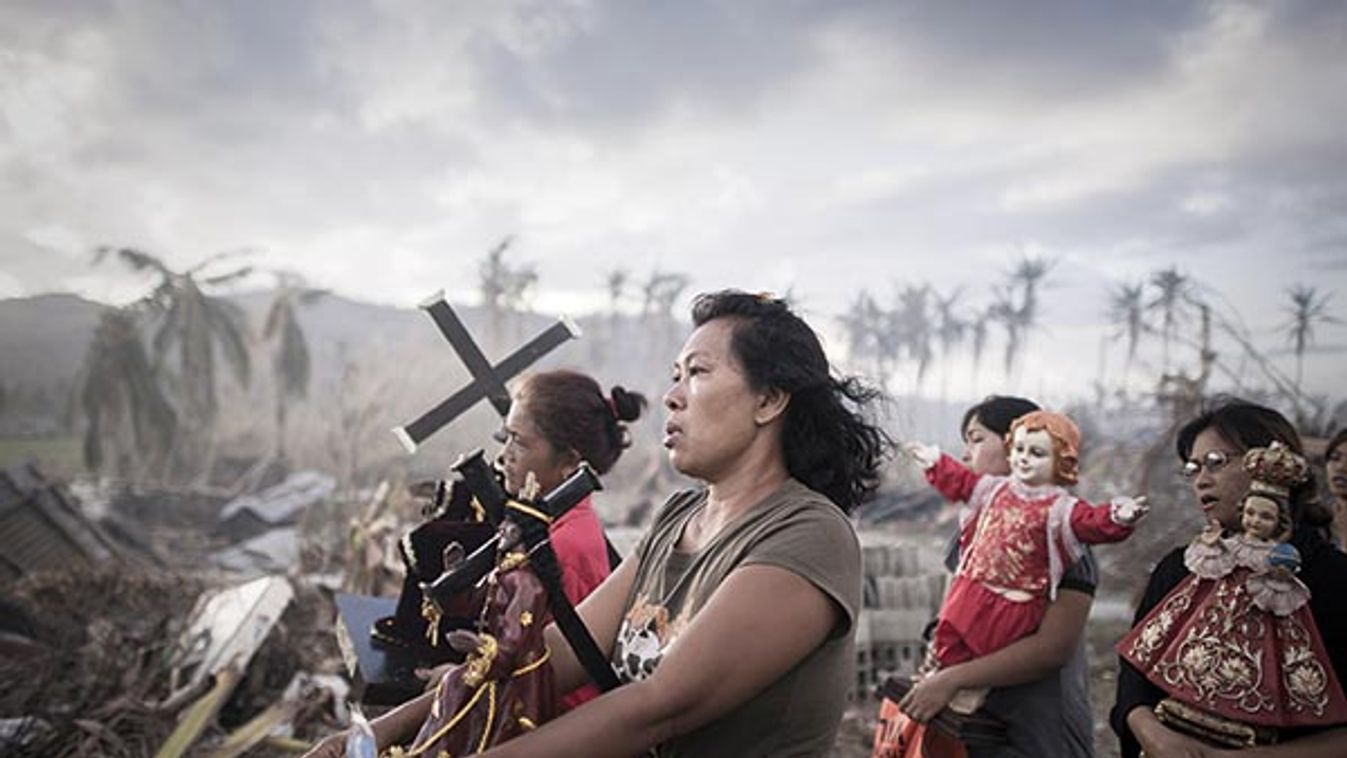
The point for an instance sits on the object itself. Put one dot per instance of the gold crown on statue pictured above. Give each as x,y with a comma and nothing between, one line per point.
1275,469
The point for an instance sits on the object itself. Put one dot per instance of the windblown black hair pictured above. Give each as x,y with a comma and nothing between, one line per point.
830,445
998,412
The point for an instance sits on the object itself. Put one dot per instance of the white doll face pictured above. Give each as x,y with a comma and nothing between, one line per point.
1031,458
1260,517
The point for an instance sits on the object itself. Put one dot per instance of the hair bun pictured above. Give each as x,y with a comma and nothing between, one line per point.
626,405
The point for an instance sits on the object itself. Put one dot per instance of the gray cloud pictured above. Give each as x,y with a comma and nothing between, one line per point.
380,148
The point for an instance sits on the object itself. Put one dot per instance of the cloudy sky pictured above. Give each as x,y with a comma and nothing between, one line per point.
379,148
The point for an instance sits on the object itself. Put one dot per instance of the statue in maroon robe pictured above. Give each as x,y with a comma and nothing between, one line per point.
504,686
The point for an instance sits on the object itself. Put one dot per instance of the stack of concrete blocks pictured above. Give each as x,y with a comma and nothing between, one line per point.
904,584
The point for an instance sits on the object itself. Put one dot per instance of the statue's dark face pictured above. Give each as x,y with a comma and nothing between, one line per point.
510,534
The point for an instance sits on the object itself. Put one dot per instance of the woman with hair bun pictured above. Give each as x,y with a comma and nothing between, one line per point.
558,419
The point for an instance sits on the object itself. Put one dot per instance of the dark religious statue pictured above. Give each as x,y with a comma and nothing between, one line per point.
504,687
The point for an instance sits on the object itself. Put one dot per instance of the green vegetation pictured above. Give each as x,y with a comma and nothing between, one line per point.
58,457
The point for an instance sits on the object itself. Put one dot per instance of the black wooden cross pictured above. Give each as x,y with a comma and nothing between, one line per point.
487,381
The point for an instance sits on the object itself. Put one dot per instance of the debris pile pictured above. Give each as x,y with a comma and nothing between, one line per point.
100,681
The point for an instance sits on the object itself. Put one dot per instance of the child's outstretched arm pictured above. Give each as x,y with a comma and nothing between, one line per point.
950,478
1110,522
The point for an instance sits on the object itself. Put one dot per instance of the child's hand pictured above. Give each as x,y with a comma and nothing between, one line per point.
1126,511
925,455
432,676
463,641
929,696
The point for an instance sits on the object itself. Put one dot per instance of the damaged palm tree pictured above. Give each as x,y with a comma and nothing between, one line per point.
290,360
126,408
189,325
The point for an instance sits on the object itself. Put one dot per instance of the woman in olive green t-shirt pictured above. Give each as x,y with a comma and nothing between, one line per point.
732,622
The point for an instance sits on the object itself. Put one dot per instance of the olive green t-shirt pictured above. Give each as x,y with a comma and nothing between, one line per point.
794,528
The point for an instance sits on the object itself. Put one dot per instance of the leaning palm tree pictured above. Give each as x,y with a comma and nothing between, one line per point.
915,329
192,325
863,326
1028,274
1127,310
123,402
505,287
616,282
978,327
290,358
494,275
1004,311
1171,300
519,287
949,332
1307,308
661,292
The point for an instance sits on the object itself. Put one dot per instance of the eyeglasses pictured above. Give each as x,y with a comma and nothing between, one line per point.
1213,461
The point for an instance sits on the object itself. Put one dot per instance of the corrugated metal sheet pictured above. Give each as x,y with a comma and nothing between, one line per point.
32,543
41,528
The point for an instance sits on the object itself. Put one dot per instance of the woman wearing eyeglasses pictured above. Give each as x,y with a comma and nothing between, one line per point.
1211,447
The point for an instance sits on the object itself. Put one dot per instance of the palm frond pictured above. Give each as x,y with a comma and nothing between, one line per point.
228,324
216,257
293,364
278,310
138,260
227,277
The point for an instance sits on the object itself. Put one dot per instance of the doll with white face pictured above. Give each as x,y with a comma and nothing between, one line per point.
1017,535
1032,460
1263,519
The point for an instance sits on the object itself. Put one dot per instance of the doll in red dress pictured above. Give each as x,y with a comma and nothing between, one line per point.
1234,645
1017,534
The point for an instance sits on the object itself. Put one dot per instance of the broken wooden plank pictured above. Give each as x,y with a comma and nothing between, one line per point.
247,737
196,718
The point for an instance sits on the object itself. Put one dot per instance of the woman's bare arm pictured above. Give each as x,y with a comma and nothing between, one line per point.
757,625
602,613
396,727
1040,654
1024,660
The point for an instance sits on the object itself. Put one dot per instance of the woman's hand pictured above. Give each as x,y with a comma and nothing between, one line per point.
331,746
1159,741
929,696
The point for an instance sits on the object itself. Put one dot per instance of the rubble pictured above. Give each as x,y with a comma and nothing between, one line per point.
42,526
104,685
226,628
274,552
280,505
